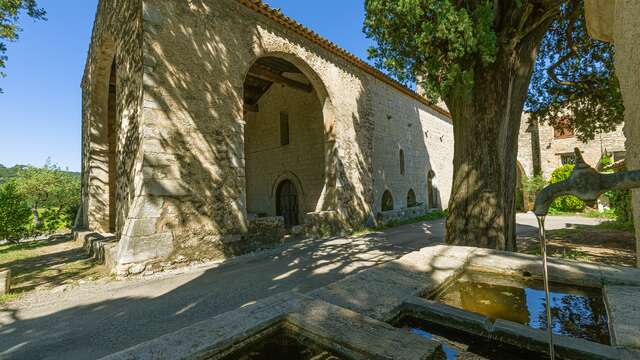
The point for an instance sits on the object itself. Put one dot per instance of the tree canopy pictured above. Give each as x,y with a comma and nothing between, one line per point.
574,83
479,57
10,11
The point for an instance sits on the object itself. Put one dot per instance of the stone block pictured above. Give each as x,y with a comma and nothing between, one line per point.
142,248
613,275
446,315
376,292
170,188
623,308
5,281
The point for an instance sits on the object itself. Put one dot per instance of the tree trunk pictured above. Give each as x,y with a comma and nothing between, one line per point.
486,124
36,217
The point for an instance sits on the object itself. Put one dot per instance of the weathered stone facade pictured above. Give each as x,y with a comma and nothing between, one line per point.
618,21
539,151
195,163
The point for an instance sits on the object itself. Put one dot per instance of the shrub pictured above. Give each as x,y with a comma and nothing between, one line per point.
15,215
568,203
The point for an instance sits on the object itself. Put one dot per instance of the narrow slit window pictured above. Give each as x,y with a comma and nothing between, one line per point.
284,128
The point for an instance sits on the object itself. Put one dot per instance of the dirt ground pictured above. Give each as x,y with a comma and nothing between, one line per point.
53,263
599,243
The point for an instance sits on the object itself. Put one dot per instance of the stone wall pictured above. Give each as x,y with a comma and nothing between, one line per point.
267,162
189,198
117,36
618,21
426,140
551,149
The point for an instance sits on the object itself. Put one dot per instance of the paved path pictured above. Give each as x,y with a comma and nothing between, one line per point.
96,319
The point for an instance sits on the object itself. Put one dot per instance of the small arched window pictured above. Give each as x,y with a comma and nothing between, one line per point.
431,190
401,162
387,201
411,198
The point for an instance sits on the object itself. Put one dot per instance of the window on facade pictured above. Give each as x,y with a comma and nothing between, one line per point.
568,158
619,155
411,198
432,196
284,128
401,162
563,130
387,201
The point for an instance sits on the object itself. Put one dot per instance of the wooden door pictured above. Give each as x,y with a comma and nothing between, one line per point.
287,203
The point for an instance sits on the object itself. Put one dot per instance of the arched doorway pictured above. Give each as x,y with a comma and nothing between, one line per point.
100,136
285,136
112,130
287,203
387,201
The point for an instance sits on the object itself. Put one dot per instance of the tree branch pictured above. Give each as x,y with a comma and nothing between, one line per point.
573,50
552,10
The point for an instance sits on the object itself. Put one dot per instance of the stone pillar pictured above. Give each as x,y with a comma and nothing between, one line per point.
627,62
5,281
618,21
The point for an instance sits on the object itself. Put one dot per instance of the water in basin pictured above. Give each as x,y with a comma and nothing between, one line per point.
576,311
283,345
458,345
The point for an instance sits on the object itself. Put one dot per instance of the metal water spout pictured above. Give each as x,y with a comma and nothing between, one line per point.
587,184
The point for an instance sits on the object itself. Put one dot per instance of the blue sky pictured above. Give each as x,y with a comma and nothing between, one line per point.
40,110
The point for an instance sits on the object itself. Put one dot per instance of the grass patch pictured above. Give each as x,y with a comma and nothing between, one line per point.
567,254
6,298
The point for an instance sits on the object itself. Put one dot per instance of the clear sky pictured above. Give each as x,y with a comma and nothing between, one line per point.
40,110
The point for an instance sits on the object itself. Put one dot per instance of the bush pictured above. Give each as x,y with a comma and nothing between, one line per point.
568,203
15,215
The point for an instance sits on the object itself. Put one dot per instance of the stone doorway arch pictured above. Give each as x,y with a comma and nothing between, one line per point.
100,200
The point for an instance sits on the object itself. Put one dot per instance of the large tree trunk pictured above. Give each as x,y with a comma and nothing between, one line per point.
486,124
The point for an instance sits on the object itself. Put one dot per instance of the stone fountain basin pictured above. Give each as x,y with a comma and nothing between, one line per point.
352,317
398,288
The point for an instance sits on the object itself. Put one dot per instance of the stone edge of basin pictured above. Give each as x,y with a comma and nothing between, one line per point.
351,333
509,332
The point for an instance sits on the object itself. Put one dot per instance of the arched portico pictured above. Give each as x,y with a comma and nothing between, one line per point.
288,129
100,198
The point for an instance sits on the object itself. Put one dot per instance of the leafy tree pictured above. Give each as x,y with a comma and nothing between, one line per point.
51,188
580,90
15,215
477,56
567,203
10,11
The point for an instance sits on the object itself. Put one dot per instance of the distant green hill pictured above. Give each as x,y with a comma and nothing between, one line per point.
9,173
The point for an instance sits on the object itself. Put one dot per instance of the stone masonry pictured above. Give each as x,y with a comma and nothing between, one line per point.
539,148
164,108
618,21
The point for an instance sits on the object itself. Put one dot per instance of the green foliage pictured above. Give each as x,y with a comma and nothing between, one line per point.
588,96
568,203
10,11
52,194
604,161
437,39
533,184
15,215
620,203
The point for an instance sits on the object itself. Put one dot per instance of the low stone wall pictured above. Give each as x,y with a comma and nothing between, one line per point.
386,217
324,224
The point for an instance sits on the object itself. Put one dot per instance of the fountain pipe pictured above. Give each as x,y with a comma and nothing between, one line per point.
587,184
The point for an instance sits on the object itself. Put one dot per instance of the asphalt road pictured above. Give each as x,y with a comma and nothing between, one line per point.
98,318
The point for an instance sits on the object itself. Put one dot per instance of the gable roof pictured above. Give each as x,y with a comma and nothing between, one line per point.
291,24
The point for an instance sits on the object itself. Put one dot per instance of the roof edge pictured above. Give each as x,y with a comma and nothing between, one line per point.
291,24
